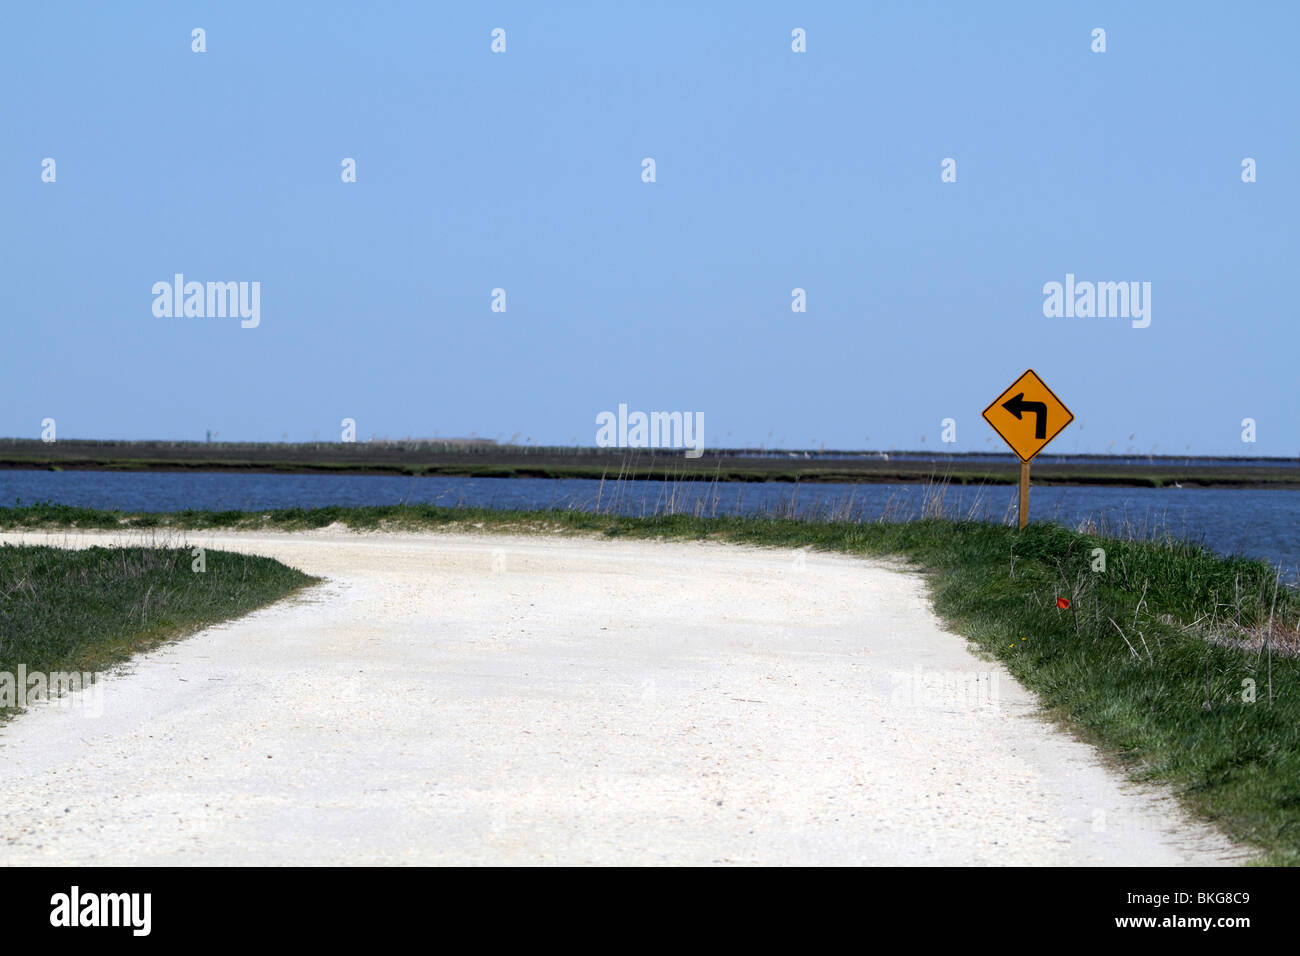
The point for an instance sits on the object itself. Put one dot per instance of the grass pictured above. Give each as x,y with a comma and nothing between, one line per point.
488,460
1179,663
1133,476
84,611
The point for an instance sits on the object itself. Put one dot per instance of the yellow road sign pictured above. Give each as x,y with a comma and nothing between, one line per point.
1027,415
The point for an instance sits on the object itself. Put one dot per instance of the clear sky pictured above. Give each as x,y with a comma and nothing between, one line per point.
775,170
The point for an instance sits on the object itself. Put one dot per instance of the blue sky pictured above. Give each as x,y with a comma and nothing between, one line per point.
775,170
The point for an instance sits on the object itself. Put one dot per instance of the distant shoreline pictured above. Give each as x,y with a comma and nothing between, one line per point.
488,460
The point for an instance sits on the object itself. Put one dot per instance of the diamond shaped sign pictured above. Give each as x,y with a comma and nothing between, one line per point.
1028,415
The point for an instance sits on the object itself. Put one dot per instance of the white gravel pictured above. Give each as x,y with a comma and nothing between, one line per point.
481,699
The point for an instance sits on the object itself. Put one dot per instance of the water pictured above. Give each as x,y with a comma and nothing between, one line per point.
1262,523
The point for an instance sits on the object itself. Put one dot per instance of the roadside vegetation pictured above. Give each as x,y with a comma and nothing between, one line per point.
490,460
1180,664
84,611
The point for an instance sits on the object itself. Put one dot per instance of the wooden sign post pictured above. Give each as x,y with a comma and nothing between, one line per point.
1024,493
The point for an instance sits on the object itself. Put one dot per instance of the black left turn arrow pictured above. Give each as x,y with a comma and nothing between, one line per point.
1018,406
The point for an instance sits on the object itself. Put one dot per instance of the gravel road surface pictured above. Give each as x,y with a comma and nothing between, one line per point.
474,698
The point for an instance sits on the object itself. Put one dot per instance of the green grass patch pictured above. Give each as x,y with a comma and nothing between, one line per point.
84,611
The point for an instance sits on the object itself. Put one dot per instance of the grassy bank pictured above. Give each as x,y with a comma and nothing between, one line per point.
85,611
487,460
1179,663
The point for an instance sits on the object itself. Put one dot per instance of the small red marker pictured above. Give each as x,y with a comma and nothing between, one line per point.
1063,603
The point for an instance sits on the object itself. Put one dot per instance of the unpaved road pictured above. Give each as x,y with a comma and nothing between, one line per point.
485,699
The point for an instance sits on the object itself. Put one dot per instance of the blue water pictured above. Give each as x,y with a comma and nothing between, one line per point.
1259,523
